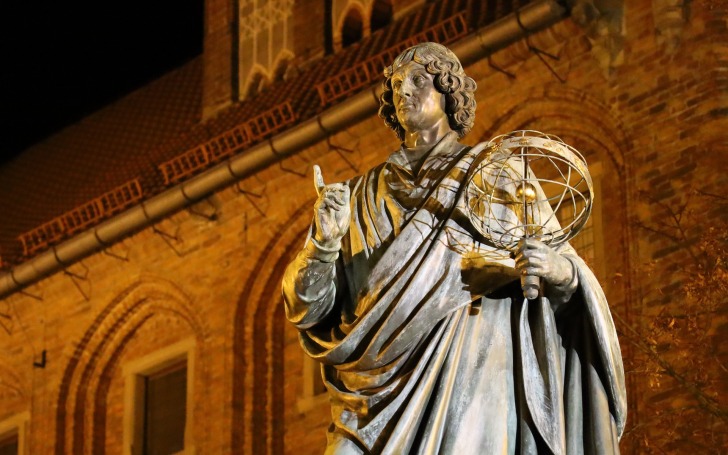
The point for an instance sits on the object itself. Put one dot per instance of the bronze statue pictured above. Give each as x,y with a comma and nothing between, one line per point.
426,342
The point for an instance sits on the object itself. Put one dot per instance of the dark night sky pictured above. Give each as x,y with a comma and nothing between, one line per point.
63,60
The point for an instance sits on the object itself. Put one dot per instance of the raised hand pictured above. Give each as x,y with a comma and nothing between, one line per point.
332,210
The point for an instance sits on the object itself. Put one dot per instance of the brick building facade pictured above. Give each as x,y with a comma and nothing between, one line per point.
639,87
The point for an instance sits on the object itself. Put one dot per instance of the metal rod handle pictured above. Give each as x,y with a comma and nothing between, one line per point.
531,285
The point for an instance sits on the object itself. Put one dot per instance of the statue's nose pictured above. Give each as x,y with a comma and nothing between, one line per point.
405,90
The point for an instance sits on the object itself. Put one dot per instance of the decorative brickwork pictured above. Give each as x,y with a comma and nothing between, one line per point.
82,402
656,126
264,34
81,218
227,144
263,17
265,421
368,72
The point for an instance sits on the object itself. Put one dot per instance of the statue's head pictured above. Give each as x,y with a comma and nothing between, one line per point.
448,78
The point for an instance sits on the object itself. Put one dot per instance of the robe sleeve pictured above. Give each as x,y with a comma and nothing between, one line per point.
309,285
560,295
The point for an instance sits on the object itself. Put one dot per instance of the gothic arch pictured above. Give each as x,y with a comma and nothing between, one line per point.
258,343
281,65
554,108
587,123
81,406
258,78
352,25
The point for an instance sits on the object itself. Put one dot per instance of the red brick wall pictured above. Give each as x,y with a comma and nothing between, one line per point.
218,50
657,123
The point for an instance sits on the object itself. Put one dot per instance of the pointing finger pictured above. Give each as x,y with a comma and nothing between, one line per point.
318,179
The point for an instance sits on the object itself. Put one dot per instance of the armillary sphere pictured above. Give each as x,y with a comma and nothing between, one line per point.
529,185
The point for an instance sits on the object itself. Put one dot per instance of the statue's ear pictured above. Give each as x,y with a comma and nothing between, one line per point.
469,83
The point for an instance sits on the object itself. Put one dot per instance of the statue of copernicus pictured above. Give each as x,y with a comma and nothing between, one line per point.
427,345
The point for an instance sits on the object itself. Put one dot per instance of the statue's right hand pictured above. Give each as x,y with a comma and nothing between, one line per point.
332,210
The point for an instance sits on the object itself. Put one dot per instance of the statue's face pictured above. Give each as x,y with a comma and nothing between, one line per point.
419,105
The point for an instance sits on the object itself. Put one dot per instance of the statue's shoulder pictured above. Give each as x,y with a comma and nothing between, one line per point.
358,182
479,147
371,172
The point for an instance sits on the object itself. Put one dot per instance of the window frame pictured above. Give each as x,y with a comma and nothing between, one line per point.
17,425
135,372
595,218
309,399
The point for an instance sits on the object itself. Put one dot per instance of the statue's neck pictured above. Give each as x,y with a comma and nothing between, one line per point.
427,137
417,155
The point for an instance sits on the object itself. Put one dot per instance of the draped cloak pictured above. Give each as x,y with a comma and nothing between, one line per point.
426,343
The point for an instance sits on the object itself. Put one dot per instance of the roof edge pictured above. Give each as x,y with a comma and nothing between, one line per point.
483,42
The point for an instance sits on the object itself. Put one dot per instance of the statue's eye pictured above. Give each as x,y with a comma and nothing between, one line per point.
396,84
419,80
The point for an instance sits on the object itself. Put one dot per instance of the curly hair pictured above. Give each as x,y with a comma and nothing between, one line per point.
449,79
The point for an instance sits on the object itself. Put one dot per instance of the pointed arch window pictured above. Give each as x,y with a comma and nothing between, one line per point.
589,243
352,29
256,84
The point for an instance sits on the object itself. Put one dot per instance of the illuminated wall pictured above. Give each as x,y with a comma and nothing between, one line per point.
204,284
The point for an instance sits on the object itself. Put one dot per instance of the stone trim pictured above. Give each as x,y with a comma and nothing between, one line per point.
134,372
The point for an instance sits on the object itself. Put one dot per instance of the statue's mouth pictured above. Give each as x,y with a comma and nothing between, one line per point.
408,106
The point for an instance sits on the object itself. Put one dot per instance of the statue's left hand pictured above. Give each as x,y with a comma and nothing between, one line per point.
535,258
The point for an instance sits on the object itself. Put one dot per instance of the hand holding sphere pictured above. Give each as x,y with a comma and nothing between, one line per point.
513,194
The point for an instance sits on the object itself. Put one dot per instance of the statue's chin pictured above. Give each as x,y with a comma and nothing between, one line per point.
417,121
407,122
412,124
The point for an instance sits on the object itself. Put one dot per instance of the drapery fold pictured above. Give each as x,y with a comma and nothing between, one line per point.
430,346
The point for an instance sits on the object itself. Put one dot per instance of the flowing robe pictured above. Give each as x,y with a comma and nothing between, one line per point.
426,343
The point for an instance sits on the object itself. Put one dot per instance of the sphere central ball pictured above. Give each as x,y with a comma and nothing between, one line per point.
526,192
